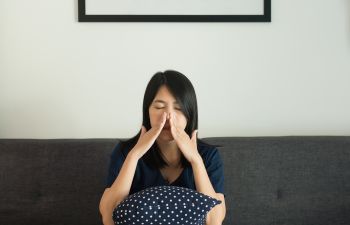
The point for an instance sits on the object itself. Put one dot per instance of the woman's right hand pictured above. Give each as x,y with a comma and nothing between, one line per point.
147,138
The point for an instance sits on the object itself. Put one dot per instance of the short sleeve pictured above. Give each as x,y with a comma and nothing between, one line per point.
215,170
116,162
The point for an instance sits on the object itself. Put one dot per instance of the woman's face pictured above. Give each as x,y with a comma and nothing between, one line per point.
164,101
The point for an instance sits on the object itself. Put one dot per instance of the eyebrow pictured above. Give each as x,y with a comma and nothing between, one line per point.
161,101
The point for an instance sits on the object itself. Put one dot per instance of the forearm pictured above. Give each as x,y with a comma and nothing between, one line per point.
122,184
201,178
108,220
203,185
120,188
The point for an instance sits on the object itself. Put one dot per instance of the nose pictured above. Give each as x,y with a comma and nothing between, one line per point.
168,111
168,115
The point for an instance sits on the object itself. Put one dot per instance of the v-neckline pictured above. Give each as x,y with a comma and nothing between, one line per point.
166,181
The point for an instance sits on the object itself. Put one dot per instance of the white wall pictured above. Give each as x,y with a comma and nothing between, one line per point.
64,79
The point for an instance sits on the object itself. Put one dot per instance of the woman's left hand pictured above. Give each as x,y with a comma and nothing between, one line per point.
187,145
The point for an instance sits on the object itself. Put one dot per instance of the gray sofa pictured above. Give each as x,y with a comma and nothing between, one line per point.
268,180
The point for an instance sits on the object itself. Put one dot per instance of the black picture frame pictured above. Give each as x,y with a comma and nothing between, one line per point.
83,17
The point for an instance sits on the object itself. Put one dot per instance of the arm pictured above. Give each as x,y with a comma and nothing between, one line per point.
217,214
188,147
120,188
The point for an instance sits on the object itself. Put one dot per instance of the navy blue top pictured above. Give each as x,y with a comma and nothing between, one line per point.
146,176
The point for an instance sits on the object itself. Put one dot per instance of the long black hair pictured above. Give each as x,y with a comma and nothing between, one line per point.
182,90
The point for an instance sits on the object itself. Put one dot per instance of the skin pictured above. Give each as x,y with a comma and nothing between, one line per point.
165,103
167,129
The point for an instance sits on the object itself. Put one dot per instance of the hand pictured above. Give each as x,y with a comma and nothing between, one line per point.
147,138
187,145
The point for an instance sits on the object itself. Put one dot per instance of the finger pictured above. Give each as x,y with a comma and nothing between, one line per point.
162,121
194,136
173,129
143,130
180,132
172,120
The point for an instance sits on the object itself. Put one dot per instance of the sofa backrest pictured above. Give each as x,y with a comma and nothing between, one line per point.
286,180
268,180
52,182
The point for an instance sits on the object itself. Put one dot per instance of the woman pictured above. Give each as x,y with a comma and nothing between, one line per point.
166,151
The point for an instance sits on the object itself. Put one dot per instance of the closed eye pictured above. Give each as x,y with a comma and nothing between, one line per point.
164,107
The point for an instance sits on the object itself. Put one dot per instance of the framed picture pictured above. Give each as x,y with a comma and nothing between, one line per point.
174,10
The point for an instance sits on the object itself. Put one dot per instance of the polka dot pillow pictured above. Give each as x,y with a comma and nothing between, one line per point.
164,205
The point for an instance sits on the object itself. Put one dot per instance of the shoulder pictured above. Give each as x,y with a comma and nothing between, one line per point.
118,156
124,146
208,152
120,151
204,148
